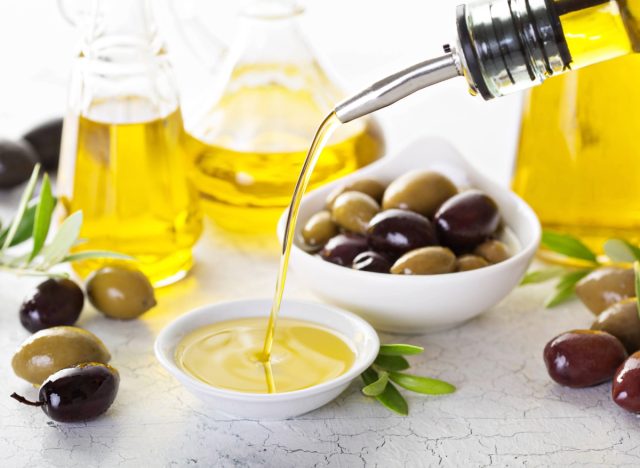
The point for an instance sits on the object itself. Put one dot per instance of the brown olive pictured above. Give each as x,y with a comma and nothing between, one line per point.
493,251
371,187
120,293
622,320
56,301
420,191
79,393
371,261
470,262
425,261
343,249
625,390
45,139
395,232
17,160
52,349
467,219
352,211
319,229
583,358
604,287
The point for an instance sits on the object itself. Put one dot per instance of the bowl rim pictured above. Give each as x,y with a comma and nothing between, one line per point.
360,364
522,208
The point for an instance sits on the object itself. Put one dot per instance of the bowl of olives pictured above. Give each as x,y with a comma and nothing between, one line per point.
414,243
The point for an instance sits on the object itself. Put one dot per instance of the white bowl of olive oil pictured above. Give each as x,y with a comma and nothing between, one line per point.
318,350
428,303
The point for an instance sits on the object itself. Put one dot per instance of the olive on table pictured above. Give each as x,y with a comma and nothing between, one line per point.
493,251
45,139
425,261
371,261
373,188
78,393
343,249
52,349
622,320
470,262
420,191
398,231
57,301
352,211
17,160
319,229
120,293
466,220
625,390
605,286
583,358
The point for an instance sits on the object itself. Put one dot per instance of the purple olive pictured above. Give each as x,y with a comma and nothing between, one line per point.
626,384
343,248
78,393
583,358
45,139
17,160
396,232
371,261
467,219
57,301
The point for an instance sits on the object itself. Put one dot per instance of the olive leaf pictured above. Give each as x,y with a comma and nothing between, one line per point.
540,276
567,245
62,242
391,363
400,349
620,250
565,289
377,387
42,217
390,398
419,384
22,207
25,227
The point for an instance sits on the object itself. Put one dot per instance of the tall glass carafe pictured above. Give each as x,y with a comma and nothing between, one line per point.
251,138
124,148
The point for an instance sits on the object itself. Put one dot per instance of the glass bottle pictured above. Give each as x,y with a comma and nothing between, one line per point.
123,159
251,139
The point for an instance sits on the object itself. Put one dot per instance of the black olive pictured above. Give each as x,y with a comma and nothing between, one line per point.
395,232
45,139
371,261
54,302
78,393
343,248
17,160
467,219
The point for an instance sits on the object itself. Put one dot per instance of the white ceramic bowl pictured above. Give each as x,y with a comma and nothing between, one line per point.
358,333
419,304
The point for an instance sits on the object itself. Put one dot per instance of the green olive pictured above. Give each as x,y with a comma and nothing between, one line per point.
319,229
425,261
56,348
419,191
353,211
622,320
493,251
371,187
470,262
120,293
604,287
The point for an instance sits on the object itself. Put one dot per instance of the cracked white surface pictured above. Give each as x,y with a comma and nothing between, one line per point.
506,411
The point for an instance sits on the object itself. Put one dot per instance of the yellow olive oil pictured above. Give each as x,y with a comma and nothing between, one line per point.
228,355
578,161
129,179
250,147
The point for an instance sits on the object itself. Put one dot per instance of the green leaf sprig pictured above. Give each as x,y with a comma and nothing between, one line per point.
379,379
32,222
565,245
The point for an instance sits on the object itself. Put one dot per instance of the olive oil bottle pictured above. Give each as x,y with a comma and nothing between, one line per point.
578,162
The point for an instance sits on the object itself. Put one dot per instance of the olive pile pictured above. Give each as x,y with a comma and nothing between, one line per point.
39,145
583,358
70,366
418,225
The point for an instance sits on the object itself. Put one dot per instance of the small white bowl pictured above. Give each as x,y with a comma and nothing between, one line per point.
358,334
419,304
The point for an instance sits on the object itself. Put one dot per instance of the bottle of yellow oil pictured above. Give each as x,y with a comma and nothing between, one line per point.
578,162
251,138
123,161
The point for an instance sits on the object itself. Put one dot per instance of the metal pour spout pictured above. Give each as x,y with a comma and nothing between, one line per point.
399,85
